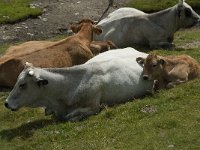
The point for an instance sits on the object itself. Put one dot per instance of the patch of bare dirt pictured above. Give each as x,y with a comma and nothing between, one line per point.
57,14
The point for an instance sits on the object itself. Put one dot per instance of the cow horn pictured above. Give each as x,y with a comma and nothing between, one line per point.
181,1
30,73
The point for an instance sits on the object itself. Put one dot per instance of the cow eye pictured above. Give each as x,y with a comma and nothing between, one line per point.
22,86
154,65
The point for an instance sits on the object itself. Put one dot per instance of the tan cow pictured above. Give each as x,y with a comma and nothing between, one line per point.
169,71
68,52
101,46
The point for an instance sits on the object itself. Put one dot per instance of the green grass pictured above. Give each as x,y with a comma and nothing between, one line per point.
12,11
156,5
174,123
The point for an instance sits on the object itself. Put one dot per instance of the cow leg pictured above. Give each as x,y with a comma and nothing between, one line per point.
48,112
166,45
178,75
81,113
95,49
173,84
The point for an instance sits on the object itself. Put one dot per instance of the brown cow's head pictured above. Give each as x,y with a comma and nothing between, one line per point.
83,23
152,66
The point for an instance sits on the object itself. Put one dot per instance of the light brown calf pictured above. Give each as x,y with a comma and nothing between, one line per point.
71,51
169,71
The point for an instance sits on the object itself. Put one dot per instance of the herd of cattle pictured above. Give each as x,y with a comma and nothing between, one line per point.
71,80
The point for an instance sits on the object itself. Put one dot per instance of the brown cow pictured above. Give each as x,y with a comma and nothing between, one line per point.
169,71
71,51
101,46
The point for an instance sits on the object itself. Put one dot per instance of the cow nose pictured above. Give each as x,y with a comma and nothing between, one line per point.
145,77
6,105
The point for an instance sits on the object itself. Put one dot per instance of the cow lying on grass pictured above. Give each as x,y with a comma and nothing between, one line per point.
101,46
68,52
131,27
169,71
74,93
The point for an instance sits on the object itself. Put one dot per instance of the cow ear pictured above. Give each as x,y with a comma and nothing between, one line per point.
42,82
97,30
75,28
162,61
188,12
140,60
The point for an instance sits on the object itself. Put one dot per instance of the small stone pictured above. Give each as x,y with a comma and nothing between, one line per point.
7,17
44,19
31,34
76,14
170,146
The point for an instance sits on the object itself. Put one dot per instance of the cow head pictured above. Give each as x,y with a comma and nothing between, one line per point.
28,87
187,17
85,23
152,66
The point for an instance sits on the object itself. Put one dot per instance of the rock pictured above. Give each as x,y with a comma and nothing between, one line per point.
76,14
31,34
43,19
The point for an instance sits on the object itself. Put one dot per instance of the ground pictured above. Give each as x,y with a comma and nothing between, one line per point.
57,14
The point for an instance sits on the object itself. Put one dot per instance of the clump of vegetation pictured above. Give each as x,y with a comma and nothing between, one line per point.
12,11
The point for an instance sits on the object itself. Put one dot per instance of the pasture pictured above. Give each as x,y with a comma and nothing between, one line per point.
169,119
13,11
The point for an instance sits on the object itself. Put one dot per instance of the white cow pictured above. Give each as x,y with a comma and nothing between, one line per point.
130,27
74,93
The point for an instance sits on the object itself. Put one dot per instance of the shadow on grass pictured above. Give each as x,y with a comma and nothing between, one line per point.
27,130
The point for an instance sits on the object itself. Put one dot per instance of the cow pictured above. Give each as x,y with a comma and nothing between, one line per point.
74,93
169,71
101,46
131,27
67,52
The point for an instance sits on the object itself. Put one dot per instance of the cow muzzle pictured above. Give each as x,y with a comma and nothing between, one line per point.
7,106
145,77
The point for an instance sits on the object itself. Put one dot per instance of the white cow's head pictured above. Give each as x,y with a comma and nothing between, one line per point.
187,17
27,89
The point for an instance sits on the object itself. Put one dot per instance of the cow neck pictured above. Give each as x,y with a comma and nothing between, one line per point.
86,34
62,84
65,78
166,19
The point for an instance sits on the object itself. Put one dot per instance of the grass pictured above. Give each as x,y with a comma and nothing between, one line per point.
12,11
156,5
174,122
